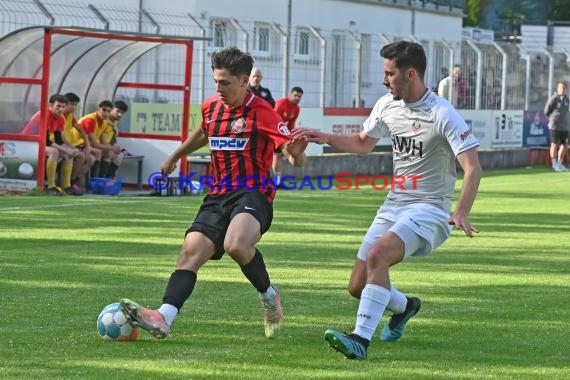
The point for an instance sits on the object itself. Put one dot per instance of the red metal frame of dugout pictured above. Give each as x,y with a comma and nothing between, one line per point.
44,83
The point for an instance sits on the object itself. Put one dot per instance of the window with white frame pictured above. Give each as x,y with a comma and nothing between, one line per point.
261,34
302,43
219,33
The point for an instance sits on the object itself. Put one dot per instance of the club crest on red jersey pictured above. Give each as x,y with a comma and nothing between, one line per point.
238,125
283,129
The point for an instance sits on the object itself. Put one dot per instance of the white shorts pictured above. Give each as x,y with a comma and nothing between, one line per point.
421,226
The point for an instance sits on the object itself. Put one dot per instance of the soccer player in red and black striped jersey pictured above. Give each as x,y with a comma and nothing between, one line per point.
243,132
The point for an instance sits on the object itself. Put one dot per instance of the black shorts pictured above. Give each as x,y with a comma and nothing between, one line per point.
558,137
217,211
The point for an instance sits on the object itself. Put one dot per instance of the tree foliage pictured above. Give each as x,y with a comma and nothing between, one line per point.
515,12
474,12
559,10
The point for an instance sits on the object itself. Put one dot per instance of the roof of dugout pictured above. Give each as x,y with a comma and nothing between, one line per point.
88,62
40,61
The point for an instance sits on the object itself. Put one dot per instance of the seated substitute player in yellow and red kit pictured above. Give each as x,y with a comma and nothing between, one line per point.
96,127
115,159
56,149
75,136
289,110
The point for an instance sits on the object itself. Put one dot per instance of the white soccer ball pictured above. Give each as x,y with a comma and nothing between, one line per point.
26,171
3,169
113,325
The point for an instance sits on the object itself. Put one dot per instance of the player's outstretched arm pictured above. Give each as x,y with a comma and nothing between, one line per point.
195,141
355,143
469,161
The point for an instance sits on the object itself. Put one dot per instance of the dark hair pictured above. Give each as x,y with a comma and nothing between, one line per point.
106,103
234,60
71,97
57,98
297,89
121,105
406,55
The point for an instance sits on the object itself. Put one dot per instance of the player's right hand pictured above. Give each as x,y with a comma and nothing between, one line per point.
168,166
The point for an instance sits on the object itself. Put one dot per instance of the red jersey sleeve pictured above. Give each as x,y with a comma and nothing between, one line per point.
272,125
204,123
89,125
33,126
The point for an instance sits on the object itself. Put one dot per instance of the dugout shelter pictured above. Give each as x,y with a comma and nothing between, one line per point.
40,61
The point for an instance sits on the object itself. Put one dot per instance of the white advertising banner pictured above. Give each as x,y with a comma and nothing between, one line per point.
18,165
507,129
493,129
496,129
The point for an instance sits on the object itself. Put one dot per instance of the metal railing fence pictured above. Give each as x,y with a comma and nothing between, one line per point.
336,68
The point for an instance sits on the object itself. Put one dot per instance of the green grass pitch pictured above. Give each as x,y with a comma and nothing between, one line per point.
495,306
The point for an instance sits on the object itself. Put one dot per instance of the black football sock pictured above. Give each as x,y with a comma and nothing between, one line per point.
256,272
95,169
112,170
103,168
179,288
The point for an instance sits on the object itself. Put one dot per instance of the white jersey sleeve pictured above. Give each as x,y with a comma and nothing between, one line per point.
451,125
374,126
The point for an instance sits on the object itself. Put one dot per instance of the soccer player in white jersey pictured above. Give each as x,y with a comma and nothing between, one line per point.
427,136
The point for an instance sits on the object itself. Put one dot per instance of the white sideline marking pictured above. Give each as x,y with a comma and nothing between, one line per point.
17,208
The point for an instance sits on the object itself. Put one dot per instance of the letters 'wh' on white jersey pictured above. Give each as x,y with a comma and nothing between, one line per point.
426,136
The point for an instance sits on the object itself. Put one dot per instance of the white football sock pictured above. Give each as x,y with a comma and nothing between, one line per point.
373,302
398,301
269,293
169,312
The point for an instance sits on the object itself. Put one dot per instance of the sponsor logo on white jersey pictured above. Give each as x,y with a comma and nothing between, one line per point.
416,126
228,143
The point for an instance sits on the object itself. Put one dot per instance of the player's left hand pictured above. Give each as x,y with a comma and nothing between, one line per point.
460,222
297,146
